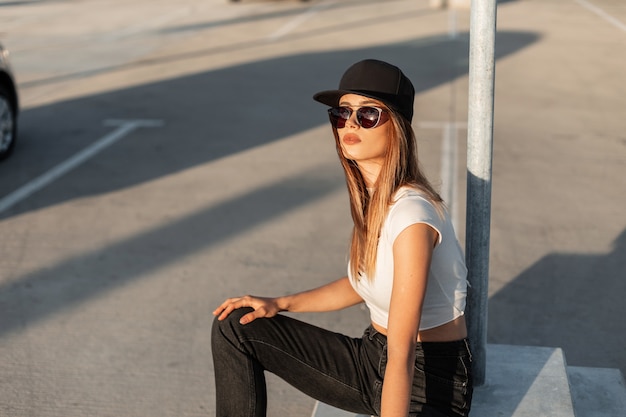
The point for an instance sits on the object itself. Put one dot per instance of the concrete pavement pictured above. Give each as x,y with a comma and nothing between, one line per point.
109,274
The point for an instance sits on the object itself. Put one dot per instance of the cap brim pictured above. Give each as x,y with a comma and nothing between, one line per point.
331,97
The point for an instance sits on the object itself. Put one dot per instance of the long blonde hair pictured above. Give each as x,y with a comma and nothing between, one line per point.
401,167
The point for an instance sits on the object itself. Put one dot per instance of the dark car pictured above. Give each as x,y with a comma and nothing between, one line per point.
9,106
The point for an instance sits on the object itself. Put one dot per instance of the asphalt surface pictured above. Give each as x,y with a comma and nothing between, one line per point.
170,156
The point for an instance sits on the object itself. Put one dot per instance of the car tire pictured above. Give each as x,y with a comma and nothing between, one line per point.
8,123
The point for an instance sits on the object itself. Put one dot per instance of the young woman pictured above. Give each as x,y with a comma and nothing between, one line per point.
405,263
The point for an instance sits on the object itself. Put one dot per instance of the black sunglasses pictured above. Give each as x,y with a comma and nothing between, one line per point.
367,117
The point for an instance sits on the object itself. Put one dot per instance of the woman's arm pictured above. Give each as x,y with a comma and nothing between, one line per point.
333,296
412,253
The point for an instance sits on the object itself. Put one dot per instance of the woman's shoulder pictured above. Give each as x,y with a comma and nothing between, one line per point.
412,205
411,193
413,201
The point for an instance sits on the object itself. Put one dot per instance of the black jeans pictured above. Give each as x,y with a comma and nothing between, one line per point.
338,370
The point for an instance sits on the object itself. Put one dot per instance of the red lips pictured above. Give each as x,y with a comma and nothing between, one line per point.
351,139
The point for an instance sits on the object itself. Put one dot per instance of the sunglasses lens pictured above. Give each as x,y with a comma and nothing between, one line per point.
368,117
339,116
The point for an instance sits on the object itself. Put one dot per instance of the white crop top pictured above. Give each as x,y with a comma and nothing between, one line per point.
447,285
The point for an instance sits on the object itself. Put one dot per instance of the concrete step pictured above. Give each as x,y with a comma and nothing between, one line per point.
325,410
597,392
524,381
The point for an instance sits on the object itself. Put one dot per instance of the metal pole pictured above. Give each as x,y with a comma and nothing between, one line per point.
479,161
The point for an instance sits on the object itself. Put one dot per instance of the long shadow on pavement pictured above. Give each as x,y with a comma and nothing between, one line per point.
76,280
568,300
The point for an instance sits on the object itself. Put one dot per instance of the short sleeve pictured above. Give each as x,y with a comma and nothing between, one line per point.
409,210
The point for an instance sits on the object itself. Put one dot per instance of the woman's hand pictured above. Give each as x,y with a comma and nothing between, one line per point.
332,296
263,307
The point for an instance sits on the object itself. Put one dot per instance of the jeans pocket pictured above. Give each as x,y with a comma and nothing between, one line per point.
444,382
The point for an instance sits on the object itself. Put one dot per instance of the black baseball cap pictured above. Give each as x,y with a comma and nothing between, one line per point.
375,79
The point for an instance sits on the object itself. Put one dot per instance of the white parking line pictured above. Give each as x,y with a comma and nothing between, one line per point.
449,170
449,163
611,19
124,127
298,20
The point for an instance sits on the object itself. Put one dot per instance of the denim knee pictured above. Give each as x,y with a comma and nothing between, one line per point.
229,327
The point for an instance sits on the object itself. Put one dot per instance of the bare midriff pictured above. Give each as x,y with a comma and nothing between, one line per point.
448,332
